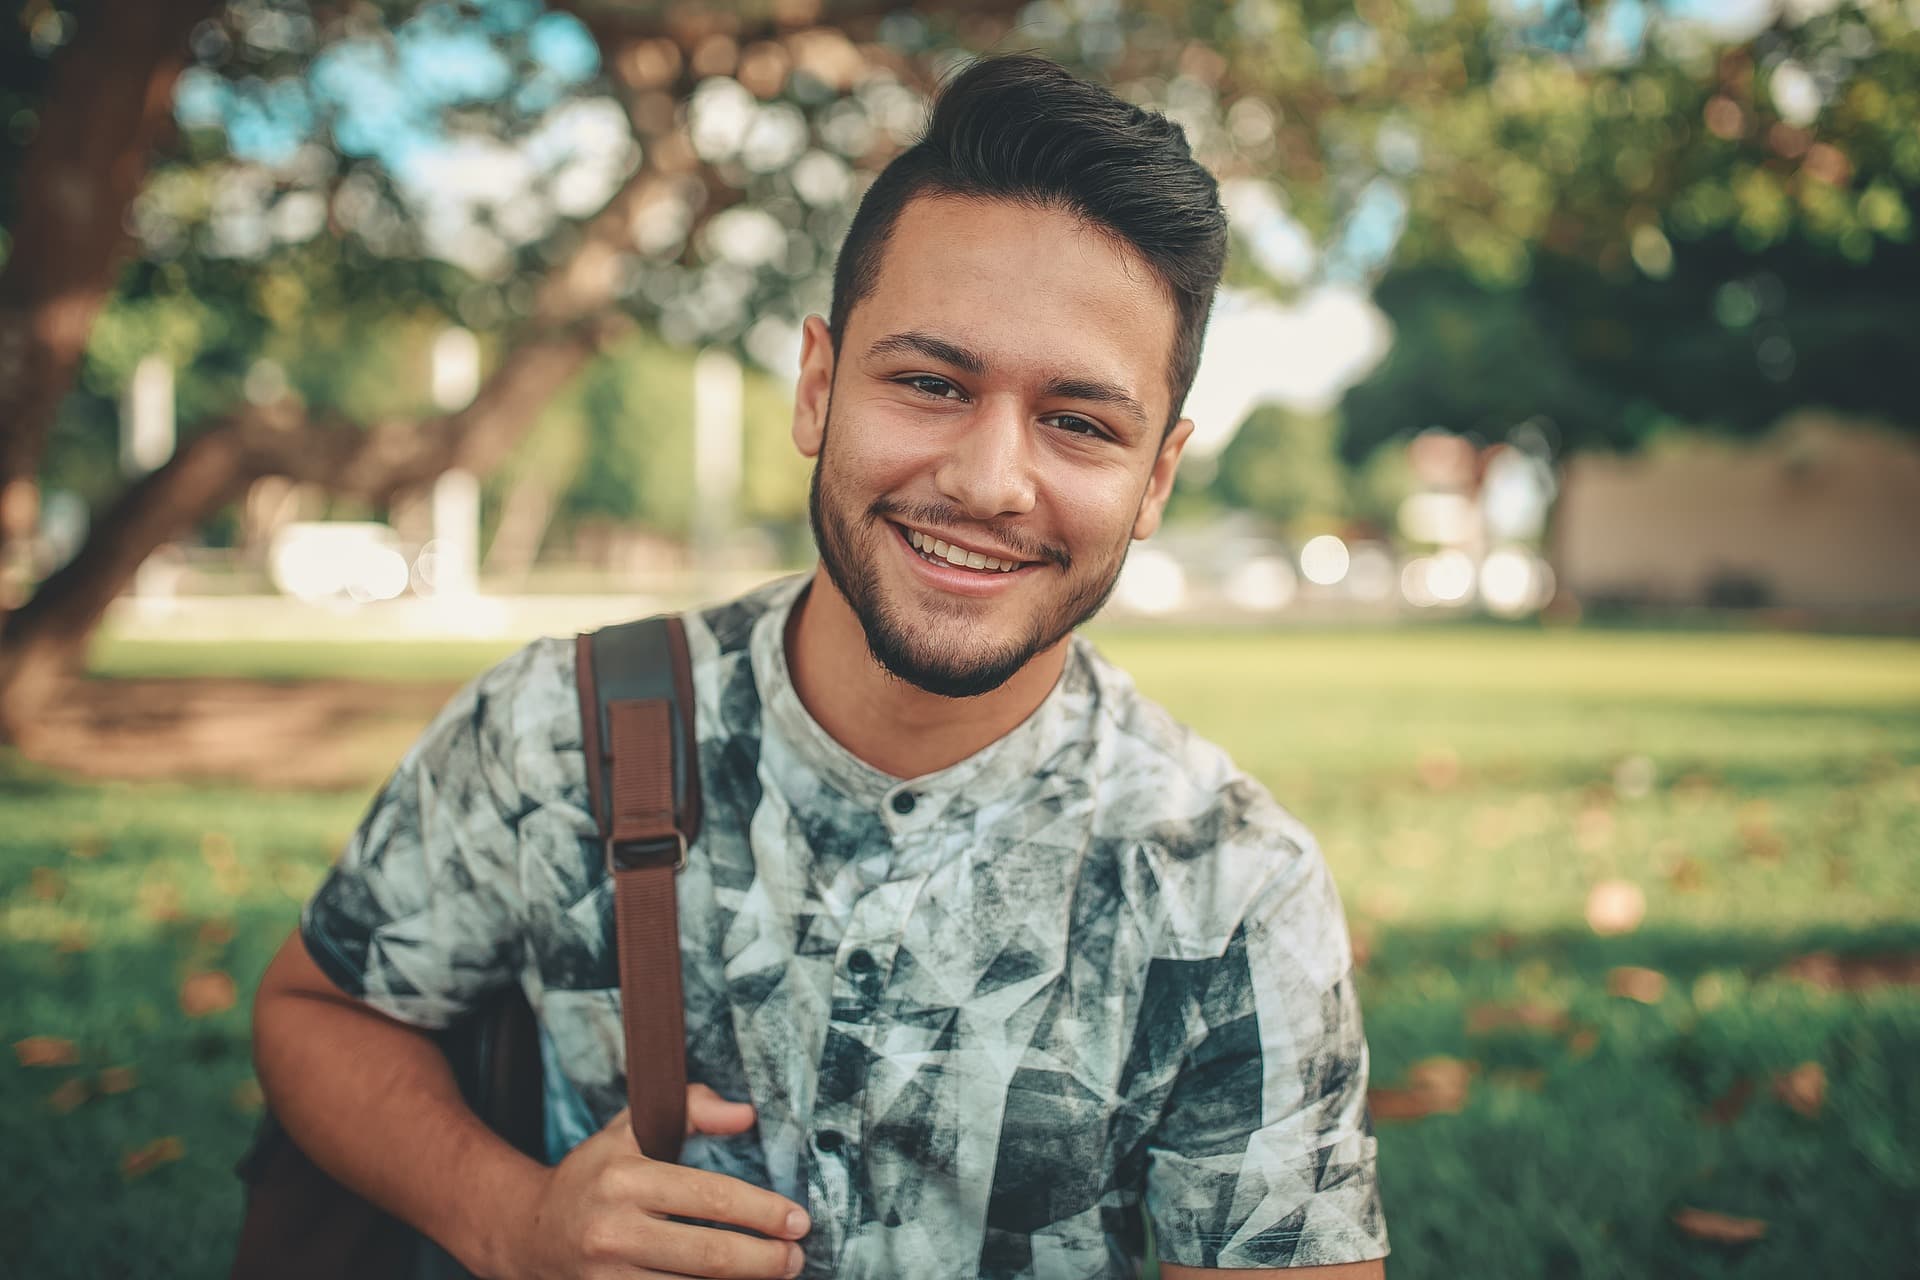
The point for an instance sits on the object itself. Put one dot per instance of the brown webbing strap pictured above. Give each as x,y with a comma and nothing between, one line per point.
648,925
645,850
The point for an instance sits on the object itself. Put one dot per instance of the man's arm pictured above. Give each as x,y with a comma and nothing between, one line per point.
374,1102
1374,1270
1262,1160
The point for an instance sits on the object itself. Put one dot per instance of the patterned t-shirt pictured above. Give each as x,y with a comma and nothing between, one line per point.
992,1018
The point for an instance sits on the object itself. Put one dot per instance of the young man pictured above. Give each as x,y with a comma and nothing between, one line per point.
996,961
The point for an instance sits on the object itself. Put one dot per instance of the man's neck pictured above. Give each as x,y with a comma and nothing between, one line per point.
886,722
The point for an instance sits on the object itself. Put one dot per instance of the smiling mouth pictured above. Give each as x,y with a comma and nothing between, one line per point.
933,549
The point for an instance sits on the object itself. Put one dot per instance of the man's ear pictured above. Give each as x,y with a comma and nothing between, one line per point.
814,388
1160,482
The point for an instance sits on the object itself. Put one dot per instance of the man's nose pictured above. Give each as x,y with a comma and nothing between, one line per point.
988,471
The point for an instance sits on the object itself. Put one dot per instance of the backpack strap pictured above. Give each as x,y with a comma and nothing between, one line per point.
643,775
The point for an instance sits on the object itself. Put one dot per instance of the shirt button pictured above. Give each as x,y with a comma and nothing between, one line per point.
828,1139
903,802
861,961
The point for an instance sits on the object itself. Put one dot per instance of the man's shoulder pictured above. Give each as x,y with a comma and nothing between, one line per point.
1216,837
532,691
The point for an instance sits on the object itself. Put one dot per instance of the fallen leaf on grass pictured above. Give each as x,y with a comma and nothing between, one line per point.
86,847
1632,982
1498,943
44,1051
247,1097
1755,819
1832,972
1528,1014
159,902
150,1157
1685,875
1726,1108
1435,1086
207,993
1695,788
216,933
1361,942
48,885
1804,1088
216,847
1582,1043
1720,1228
69,1095
1593,829
1439,768
118,1079
73,939
1531,1079
294,880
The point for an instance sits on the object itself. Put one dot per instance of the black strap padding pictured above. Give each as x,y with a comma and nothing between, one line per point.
646,659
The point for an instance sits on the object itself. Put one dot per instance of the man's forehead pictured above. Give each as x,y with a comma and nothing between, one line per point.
1026,290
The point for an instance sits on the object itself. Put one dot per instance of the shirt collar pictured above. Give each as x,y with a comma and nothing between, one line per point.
1003,768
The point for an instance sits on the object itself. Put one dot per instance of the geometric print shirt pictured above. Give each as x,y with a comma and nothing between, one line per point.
994,1019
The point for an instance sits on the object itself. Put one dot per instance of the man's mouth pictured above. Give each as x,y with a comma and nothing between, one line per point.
938,551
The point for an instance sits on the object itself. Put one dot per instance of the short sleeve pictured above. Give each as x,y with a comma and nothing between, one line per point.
422,915
1264,1155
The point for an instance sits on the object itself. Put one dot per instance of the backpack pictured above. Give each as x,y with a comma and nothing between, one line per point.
643,777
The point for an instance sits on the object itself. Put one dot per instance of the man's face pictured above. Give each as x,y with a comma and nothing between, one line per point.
990,438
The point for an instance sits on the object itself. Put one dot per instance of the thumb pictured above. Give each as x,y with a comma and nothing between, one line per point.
709,1113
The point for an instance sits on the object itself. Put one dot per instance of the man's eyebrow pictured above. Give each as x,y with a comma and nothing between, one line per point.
1099,393
913,342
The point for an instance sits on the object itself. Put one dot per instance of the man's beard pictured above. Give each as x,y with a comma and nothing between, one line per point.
890,637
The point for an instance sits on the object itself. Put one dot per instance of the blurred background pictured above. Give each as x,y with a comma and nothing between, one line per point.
1547,542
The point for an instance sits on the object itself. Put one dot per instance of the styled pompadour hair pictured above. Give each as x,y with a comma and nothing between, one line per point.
1020,127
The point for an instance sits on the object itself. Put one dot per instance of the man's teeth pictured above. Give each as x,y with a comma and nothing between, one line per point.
958,555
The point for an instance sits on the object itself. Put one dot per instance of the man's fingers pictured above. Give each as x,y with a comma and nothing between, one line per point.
708,1112
714,1197
684,1249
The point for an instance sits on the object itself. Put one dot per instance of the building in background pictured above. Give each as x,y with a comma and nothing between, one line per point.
1822,516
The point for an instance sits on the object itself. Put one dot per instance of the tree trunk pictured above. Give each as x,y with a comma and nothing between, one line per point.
44,641
109,100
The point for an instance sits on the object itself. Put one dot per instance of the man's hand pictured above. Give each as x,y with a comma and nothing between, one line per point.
604,1209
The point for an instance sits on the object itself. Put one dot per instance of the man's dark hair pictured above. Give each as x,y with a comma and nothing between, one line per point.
1020,127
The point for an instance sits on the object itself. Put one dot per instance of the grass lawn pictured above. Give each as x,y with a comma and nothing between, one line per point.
1554,1098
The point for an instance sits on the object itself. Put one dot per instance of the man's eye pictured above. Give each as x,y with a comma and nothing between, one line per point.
931,385
1078,426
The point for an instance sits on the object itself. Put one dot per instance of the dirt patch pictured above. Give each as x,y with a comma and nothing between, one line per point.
307,734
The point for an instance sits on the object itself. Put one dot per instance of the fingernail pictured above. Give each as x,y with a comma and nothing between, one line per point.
795,1259
797,1226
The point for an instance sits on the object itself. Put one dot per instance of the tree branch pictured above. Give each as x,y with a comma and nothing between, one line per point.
108,104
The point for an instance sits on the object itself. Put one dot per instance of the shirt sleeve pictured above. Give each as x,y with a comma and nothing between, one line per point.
422,915
1264,1155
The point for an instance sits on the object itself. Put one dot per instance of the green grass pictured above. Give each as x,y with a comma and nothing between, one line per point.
1467,786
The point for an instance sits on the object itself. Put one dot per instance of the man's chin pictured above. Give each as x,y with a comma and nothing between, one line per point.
920,665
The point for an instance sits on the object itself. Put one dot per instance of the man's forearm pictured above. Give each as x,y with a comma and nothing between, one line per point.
375,1104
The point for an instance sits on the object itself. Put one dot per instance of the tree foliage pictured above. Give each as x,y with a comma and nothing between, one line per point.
1607,213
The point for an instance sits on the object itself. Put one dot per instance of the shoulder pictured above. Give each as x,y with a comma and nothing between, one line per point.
1223,852
725,630
522,689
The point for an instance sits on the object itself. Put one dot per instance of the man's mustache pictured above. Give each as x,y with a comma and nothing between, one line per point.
944,517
